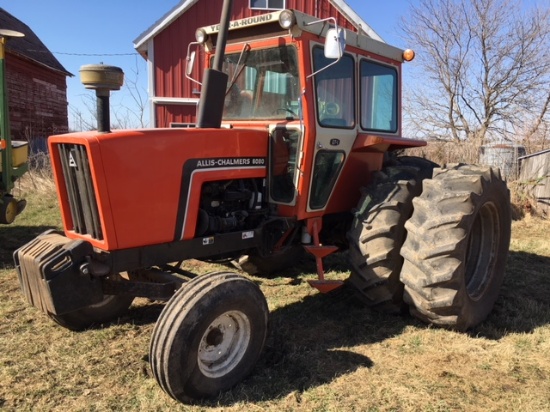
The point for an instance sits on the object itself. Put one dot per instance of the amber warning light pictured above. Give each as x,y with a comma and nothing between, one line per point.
408,55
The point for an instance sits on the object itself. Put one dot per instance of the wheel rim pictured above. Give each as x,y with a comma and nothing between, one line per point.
481,254
224,344
10,211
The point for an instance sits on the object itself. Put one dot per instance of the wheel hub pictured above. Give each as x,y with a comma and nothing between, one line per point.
224,344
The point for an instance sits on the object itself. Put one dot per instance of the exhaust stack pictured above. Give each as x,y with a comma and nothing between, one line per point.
214,83
102,79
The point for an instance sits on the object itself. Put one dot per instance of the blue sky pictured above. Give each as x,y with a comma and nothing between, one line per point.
82,32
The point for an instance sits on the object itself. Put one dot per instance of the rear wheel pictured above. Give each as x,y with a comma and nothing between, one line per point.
378,231
456,247
209,336
110,308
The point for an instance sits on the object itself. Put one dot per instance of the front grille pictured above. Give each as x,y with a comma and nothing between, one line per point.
80,190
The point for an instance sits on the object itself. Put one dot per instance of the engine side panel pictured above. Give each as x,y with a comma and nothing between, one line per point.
144,180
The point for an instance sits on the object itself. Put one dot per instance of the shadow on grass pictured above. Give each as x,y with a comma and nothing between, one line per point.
13,237
308,342
307,345
524,301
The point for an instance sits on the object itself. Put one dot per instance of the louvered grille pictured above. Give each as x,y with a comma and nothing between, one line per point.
80,190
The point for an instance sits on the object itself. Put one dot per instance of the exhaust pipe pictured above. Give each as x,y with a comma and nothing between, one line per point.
102,79
215,80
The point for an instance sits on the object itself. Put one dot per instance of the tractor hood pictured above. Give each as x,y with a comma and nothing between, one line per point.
133,188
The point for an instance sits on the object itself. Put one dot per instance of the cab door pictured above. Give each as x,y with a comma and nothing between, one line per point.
336,127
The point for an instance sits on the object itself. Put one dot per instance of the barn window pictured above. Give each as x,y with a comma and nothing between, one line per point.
268,4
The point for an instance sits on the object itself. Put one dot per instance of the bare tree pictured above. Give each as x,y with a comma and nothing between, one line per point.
483,70
128,108
83,121
131,114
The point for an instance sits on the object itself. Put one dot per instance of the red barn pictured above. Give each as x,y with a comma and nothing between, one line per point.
173,97
37,86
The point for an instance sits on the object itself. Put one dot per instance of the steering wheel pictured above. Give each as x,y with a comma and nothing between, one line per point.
285,109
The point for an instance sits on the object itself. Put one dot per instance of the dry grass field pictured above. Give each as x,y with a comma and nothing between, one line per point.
324,353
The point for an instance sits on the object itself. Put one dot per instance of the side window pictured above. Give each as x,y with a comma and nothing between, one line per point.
284,148
335,91
378,97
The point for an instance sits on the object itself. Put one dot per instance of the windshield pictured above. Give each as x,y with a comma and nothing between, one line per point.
263,84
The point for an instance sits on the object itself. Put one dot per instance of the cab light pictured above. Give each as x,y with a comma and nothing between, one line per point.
287,19
408,55
201,36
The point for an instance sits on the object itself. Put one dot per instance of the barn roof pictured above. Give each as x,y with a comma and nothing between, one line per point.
184,5
30,46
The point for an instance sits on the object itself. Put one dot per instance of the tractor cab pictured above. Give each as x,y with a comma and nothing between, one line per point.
329,98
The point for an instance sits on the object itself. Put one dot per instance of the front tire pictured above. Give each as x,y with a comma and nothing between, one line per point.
456,247
209,336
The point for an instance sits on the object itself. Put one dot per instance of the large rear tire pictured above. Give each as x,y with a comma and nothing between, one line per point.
456,247
110,308
378,231
209,336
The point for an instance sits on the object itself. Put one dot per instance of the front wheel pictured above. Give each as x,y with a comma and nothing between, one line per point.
456,246
209,336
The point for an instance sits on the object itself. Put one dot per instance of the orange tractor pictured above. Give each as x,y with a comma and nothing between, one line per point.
298,154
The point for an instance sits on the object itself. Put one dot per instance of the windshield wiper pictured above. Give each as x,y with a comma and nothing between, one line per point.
243,58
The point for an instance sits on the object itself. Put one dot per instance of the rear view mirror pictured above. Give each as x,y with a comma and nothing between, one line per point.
335,43
190,63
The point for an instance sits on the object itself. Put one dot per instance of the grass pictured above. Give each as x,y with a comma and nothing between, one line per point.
324,353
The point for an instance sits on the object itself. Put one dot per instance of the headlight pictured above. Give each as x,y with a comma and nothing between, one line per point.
287,19
201,36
